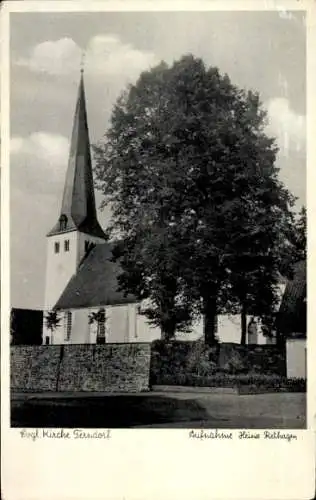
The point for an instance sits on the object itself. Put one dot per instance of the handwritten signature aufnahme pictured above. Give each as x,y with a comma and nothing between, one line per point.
244,435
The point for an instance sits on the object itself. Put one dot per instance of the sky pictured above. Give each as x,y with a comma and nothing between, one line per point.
262,51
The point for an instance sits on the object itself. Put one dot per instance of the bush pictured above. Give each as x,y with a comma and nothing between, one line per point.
225,365
177,358
250,382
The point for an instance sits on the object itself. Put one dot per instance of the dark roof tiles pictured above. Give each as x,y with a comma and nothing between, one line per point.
95,283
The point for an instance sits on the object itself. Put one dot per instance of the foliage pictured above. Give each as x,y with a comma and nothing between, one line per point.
52,320
195,195
98,318
300,235
246,383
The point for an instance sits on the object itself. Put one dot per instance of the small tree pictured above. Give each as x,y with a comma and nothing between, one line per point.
99,318
52,321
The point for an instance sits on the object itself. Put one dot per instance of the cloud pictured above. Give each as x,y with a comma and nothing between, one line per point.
51,149
108,55
288,126
39,159
105,55
53,57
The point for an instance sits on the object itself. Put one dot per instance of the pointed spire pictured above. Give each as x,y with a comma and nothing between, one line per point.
83,56
78,209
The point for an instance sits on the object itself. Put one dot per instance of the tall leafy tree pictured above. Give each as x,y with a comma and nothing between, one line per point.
195,195
300,235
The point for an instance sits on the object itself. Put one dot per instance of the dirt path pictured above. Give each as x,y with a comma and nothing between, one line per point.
173,410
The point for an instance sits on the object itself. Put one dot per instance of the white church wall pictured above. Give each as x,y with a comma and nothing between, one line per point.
60,267
80,331
195,333
47,337
229,330
117,323
125,324
144,331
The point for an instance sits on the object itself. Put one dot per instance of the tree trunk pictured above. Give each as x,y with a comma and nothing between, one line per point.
165,335
210,320
280,340
167,320
167,331
243,339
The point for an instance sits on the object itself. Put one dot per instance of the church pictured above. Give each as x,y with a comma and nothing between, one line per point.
81,280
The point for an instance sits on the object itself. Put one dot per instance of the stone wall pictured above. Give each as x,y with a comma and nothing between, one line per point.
104,368
34,368
178,362
134,367
109,367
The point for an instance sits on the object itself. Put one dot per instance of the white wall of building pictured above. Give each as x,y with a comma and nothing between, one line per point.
61,266
296,358
125,324
229,330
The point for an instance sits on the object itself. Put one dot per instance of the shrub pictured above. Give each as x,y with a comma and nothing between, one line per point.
250,382
197,364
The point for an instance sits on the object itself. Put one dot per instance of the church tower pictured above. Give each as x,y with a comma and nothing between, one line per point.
77,227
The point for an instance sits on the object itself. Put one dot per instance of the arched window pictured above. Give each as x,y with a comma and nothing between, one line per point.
68,325
63,219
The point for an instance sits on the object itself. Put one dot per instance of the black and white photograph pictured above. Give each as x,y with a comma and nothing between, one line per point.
158,220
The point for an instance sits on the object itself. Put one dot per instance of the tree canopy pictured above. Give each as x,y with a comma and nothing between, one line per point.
300,235
196,199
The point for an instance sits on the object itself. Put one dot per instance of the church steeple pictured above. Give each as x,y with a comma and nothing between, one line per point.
78,211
